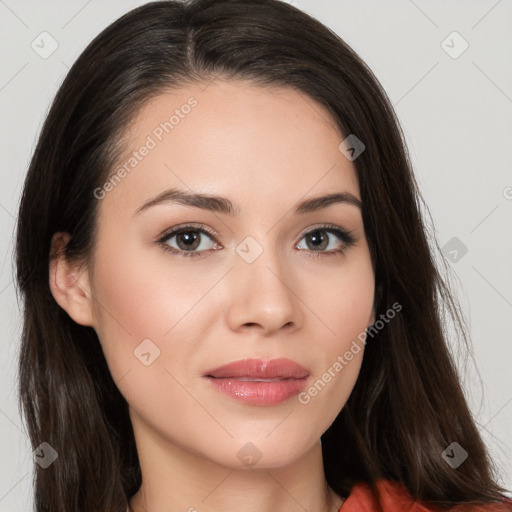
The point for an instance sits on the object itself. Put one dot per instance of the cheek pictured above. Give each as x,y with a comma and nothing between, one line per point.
344,307
136,301
343,302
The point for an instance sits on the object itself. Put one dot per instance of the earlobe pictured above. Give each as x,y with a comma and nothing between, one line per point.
69,283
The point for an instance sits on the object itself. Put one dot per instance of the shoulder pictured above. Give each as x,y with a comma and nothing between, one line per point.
394,497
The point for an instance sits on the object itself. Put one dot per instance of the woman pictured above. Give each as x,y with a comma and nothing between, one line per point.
230,299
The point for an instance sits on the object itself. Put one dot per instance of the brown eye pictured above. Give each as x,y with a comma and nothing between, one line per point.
322,238
319,240
188,241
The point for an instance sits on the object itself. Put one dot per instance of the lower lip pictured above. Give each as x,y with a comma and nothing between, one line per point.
258,392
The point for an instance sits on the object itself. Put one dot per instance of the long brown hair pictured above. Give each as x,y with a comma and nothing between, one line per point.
395,424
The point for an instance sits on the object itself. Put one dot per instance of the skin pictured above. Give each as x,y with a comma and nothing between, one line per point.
266,150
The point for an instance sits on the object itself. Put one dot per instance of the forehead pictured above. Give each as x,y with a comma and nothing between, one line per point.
235,139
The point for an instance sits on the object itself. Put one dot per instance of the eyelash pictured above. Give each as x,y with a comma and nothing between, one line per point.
346,237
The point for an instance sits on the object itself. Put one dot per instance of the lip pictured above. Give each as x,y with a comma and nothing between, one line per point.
289,378
273,368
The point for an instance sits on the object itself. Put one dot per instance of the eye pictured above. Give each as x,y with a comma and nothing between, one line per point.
324,237
192,241
189,240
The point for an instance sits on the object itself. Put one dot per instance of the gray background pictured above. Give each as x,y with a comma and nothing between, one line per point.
455,109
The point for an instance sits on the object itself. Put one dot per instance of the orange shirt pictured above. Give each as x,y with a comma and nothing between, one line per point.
396,498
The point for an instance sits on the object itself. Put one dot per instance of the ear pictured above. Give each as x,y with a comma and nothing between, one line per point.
69,283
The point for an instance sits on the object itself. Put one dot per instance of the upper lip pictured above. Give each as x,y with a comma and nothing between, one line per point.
258,368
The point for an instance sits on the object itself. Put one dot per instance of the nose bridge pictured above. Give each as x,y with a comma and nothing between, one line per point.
261,287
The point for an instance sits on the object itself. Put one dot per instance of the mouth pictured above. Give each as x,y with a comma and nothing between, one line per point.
251,379
258,369
258,382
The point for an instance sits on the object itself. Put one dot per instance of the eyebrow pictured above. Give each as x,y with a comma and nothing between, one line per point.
220,204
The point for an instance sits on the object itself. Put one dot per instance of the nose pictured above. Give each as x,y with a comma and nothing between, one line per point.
263,296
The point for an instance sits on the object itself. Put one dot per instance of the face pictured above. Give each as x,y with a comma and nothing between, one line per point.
264,280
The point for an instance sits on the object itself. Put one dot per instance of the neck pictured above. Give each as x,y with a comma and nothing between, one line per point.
174,479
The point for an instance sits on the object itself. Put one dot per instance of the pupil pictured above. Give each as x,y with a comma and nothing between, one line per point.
189,238
317,238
